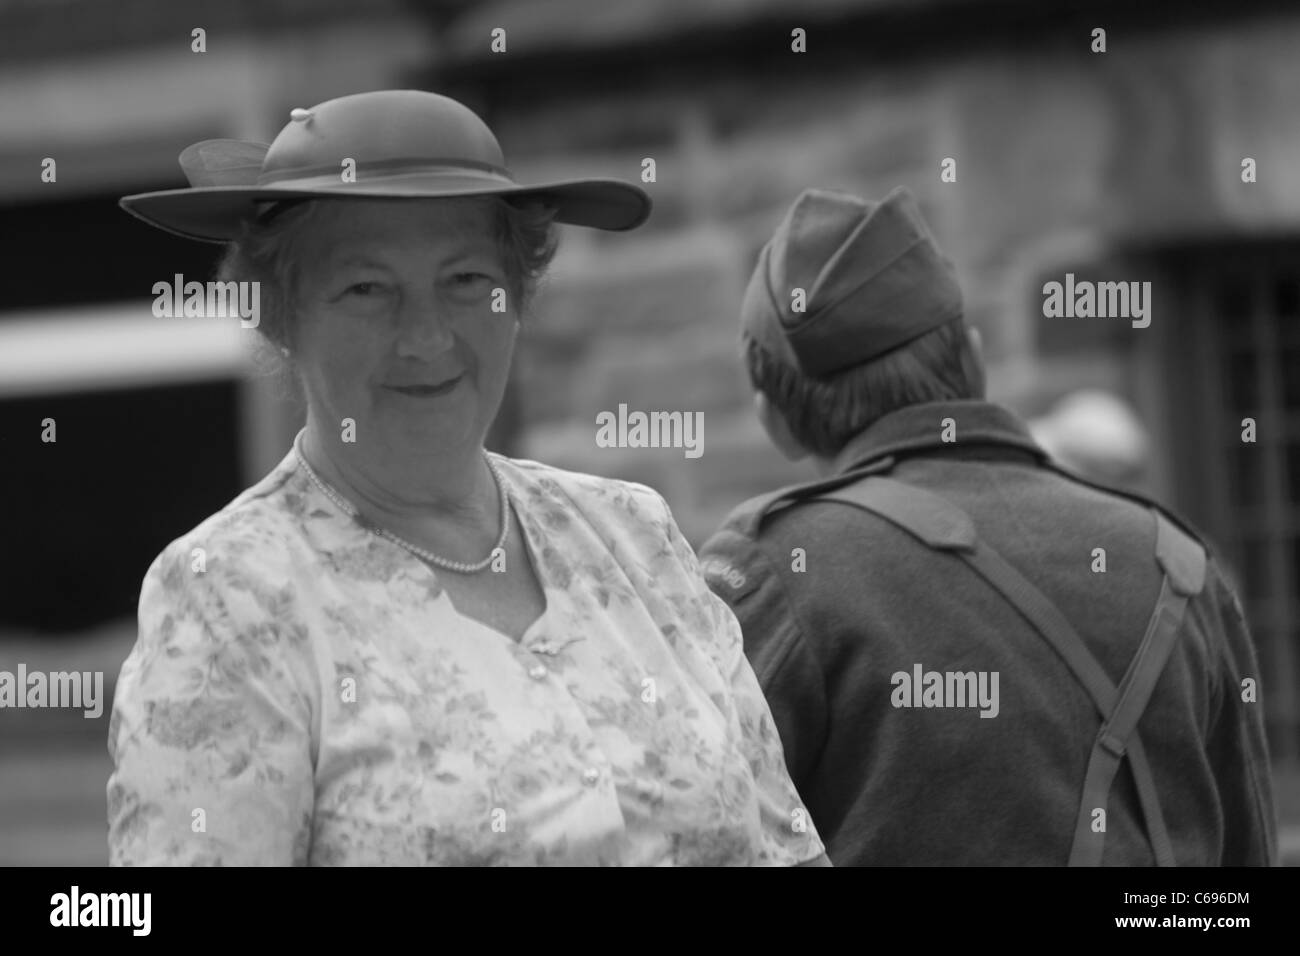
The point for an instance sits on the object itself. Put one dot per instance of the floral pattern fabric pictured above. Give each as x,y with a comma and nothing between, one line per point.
303,692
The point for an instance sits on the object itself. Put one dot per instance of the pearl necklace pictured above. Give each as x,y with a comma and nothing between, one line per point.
460,567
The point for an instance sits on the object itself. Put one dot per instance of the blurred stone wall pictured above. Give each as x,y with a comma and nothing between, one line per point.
1066,160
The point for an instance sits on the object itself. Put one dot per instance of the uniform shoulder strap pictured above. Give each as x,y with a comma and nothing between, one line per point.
1183,561
1182,522
748,517
940,524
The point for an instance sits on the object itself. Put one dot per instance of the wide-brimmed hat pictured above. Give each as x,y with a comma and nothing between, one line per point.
385,144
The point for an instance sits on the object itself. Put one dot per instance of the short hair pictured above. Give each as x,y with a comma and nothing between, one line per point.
266,252
824,413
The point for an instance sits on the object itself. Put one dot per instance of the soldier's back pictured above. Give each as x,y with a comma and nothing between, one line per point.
954,733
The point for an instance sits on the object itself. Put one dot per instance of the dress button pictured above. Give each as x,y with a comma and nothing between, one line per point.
590,776
537,671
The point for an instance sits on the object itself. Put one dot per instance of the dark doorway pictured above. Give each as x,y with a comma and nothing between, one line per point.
86,515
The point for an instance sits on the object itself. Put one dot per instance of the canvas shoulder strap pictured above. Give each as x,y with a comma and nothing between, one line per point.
941,525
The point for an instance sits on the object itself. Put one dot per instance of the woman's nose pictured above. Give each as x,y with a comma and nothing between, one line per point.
424,326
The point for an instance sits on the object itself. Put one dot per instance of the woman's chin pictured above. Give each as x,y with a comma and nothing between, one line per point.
432,428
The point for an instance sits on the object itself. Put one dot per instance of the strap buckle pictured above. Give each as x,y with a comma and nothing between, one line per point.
1111,743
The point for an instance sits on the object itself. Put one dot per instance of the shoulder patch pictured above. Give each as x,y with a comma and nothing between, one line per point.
725,565
725,576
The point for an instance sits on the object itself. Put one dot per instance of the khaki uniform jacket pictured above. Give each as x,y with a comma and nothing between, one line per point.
838,605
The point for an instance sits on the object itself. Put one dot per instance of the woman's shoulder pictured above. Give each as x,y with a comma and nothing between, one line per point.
251,532
593,495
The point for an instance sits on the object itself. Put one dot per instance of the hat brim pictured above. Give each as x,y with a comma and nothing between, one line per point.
218,213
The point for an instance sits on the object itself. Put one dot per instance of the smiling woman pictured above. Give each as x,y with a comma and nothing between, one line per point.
389,314
397,647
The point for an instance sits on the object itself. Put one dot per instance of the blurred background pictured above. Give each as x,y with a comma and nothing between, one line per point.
1122,165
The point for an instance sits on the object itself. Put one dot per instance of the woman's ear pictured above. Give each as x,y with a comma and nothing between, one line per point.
778,431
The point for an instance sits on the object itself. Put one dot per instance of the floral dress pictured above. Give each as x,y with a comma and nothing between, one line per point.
303,692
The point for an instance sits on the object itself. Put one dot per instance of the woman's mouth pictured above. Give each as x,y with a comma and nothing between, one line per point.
426,391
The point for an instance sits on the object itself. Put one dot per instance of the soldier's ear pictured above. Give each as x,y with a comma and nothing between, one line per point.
975,360
778,432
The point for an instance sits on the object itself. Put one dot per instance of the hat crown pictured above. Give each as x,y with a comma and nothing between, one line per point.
830,243
386,126
871,276
815,228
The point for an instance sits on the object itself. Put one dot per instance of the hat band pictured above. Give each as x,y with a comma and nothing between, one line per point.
326,174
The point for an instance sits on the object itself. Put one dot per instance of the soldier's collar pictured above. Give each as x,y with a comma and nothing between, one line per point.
918,427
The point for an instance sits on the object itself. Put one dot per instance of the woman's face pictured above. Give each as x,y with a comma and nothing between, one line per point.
394,324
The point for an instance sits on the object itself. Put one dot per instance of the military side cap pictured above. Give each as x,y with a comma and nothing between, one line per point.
871,275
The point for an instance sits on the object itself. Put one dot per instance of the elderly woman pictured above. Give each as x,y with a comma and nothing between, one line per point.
398,648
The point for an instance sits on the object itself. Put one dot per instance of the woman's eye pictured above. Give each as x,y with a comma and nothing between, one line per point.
470,278
361,288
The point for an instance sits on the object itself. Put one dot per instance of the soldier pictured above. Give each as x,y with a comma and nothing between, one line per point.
972,656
